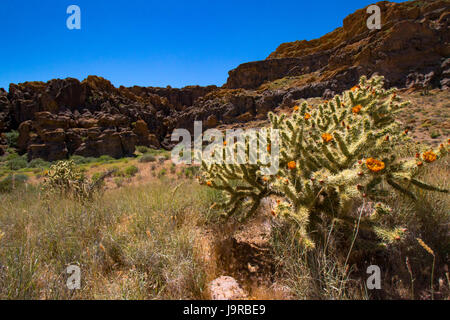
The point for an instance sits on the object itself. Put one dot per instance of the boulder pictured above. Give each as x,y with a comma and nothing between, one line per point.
226,288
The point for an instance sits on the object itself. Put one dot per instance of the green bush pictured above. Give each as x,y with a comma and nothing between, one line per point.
82,160
11,182
142,149
435,134
147,158
38,163
11,138
105,158
118,181
191,172
131,171
17,163
162,173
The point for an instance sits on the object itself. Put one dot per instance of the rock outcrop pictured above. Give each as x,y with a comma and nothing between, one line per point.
89,118
410,49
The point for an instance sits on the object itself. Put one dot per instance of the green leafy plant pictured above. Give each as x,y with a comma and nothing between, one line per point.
131,171
147,158
38,163
142,149
12,182
11,138
17,163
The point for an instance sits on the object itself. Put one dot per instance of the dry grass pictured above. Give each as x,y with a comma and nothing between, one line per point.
136,242
153,238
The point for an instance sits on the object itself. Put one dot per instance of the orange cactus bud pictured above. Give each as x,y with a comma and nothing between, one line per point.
375,165
292,165
327,137
357,108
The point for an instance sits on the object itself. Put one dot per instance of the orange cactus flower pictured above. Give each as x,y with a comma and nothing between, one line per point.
292,165
429,156
357,108
417,155
406,131
209,183
296,108
374,165
273,213
420,163
307,116
269,147
224,143
327,137
355,88
266,179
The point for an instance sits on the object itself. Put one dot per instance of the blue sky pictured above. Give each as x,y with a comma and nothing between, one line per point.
154,43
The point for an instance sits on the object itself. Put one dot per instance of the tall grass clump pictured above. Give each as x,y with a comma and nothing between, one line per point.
131,243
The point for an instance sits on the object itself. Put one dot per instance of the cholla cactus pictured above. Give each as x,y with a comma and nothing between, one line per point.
330,156
65,178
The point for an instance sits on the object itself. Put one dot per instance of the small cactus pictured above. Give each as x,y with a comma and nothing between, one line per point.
66,179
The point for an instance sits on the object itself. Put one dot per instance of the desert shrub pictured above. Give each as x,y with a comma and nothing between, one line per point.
38,163
332,158
131,171
17,163
11,182
162,173
435,134
11,138
142,149
82,160
147,158
118,181
105,158
191,171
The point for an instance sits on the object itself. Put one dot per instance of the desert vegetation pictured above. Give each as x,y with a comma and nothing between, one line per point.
353,190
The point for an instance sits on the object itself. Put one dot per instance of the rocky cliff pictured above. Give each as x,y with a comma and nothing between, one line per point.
410,49
92,118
